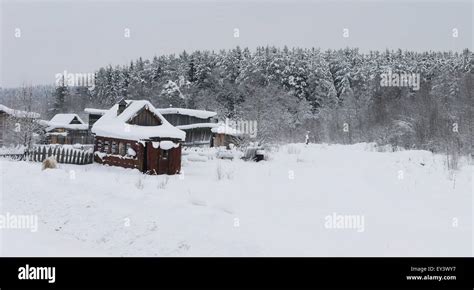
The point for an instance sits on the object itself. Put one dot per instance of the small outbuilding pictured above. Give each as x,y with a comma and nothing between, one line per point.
224,135
134,134
196,123
67,129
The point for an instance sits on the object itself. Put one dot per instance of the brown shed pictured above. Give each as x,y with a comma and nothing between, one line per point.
133,134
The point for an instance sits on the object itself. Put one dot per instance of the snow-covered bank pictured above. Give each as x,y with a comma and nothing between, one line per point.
411,206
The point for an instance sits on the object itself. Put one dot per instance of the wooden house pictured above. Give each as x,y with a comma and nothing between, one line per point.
134,134
11,123
223,135
67,129
196,123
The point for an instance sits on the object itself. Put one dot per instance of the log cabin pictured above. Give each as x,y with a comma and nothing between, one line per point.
134,134
67,129
196,123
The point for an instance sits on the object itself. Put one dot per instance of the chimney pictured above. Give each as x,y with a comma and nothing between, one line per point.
121,106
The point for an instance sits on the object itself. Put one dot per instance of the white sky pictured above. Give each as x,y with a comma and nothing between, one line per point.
81,36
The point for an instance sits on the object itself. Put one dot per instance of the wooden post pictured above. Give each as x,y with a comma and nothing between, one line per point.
43,155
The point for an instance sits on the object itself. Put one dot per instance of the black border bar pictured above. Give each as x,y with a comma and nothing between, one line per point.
290,273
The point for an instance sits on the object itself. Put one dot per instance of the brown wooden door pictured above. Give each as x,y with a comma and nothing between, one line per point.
163,161
175,160
151,159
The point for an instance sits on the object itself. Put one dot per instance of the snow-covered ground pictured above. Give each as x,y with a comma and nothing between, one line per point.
409,203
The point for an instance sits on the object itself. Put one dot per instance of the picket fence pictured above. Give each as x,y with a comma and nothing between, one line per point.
63,155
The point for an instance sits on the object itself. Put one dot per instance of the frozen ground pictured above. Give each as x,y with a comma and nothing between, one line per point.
411,206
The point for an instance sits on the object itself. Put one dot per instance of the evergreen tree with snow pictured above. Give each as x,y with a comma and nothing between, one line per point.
60,95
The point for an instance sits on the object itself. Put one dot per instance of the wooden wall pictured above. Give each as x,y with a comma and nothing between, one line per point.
100,146
2,127
178,119
145,118
158,164
198,136
223,140
155,163
73,137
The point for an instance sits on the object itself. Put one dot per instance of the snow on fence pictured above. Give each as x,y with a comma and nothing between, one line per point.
63,155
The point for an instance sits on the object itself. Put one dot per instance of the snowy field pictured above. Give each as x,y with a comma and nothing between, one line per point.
409,203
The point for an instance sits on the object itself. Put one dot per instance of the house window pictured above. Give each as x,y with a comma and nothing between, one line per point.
121,148
99,145
114,147
164,154
127,147
106,146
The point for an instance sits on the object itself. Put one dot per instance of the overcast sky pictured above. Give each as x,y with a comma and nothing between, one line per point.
81,36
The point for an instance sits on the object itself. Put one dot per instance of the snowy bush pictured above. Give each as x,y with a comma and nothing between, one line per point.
225,154
197,157
18,149
223,173
385,148
139,184
50,163
219,171
163,182
230,174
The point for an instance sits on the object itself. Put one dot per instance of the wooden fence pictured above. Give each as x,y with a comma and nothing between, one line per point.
68,156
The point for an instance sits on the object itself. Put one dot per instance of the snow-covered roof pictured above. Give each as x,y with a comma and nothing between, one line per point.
197,125
95,111
202,114
111,125
223,128
64,121
18,113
